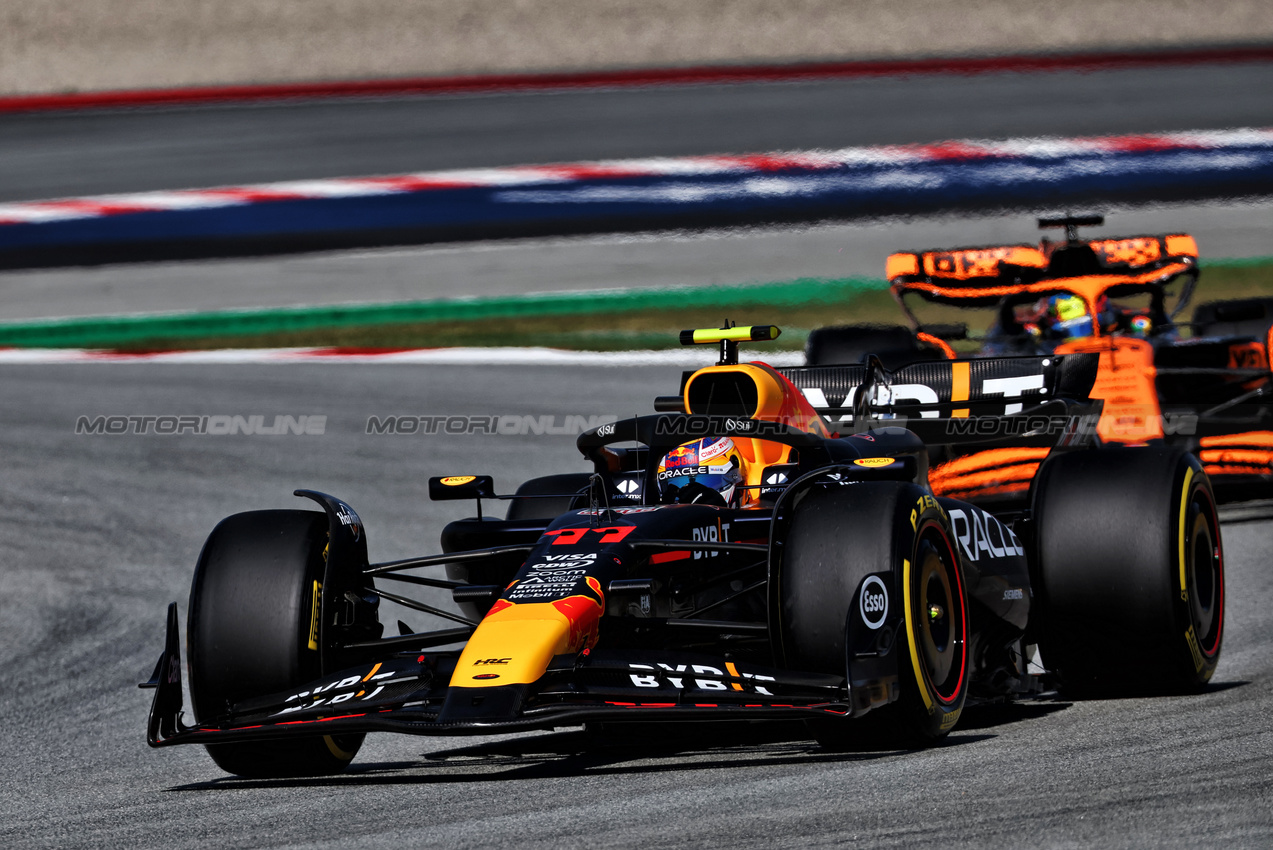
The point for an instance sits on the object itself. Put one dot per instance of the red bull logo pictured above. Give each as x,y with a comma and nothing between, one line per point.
681,456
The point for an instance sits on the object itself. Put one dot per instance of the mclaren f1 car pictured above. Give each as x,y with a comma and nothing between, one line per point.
739,554
1203,385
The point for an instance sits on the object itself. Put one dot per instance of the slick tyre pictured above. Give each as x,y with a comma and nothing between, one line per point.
839,538
252,611
1130,571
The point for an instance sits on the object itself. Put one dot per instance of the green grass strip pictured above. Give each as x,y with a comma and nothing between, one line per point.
603,319
1236,262
129,330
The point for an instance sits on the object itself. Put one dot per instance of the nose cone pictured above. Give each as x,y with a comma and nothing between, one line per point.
514,643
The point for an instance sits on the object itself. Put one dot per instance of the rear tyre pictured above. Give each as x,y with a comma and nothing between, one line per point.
1131,571
837,539
253,608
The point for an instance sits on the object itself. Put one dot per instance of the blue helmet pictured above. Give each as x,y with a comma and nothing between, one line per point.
705,471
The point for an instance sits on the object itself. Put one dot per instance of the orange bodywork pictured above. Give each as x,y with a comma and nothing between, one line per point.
938,343
777,399
1137,251
1126,382
1090,287
987,273
993,472
1181,245
1247,355
899,265
1250,453
976,262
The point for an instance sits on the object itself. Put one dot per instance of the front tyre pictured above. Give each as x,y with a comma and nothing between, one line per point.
254,608
839,538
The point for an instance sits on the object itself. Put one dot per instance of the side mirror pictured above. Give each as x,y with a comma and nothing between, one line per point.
452,487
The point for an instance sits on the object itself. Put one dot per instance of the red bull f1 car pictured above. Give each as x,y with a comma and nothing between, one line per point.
1210,392
728,557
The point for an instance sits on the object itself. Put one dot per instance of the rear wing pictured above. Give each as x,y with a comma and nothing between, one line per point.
980,276
983,388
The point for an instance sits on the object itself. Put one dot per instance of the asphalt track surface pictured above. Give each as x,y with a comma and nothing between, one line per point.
1224,229
80,153
102,532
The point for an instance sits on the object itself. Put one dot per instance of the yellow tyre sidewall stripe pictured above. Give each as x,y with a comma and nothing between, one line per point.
1184,510
920,679
335,749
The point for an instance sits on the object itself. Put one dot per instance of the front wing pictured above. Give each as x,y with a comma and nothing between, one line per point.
411,693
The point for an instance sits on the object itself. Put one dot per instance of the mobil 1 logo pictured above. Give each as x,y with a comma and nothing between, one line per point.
873,602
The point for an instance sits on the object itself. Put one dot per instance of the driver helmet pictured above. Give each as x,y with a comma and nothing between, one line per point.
1068,318
706,472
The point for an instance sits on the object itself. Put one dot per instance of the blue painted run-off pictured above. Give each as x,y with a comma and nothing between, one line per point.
843,191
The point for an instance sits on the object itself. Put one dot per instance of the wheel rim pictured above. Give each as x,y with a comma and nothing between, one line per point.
1205,572
939,617
935,614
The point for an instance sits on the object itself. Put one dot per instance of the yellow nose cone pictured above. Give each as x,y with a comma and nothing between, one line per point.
514,644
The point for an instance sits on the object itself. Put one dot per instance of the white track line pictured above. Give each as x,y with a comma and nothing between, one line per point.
505,357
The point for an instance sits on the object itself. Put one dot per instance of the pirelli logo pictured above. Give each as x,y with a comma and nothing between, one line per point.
1191,639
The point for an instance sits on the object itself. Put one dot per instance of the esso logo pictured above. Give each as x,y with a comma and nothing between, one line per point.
873,603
